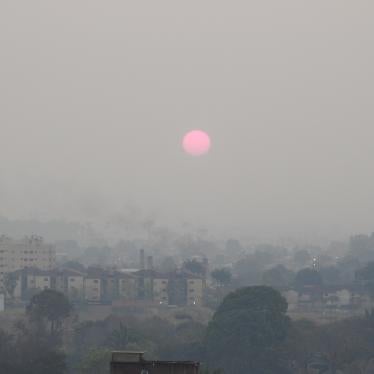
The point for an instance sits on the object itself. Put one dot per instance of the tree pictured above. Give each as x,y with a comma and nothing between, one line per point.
278,277
119,339
221,276
362,246
233,247
308,277
246,331
96,361
30,350
194,267
331,275
366,273
302,257
168,265
10,283
366,276
49,305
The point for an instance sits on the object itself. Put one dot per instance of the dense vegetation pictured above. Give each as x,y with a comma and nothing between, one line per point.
248,332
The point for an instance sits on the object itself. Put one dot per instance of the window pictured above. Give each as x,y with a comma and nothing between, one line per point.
46,279
164,282
96,281
191,290
192,282
72,280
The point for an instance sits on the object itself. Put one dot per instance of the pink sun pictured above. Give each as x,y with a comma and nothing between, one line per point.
196,143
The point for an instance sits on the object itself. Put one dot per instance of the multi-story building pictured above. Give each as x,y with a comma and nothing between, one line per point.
93,286
74,282
195,290
28,252
97,285
30,281
160,290
127,287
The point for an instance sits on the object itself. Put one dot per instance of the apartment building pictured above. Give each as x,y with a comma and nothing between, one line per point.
100,286
28,252
160,290
127,287
93,286
195,290
74,284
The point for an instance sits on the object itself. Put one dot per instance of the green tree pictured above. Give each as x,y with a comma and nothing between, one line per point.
96,361
222,277
49,305
119,339
194,267
331,275
302,257
30,350
246,331
278,277
366,276
10,283
308,277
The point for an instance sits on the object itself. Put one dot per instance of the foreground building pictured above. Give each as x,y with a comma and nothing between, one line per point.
134,363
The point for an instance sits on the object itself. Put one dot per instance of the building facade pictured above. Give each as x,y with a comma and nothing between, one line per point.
133,363
28,252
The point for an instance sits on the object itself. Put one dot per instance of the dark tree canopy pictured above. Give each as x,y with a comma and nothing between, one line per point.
366,273
10,283
194,266
221,276
308,277
29,349
245,330
50,305
278,277
302,257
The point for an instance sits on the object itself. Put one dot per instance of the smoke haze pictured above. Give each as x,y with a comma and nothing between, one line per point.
96,96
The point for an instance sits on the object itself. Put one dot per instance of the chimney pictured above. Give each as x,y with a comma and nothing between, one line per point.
142,259
150,262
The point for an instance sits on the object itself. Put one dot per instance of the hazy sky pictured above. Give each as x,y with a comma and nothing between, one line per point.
95,97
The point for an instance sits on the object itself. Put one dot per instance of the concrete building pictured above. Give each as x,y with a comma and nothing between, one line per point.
195,290
134,363
38,280
127,287
160,290
74,283
28,252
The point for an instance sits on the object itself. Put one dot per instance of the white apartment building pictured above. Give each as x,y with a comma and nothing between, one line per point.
28,252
